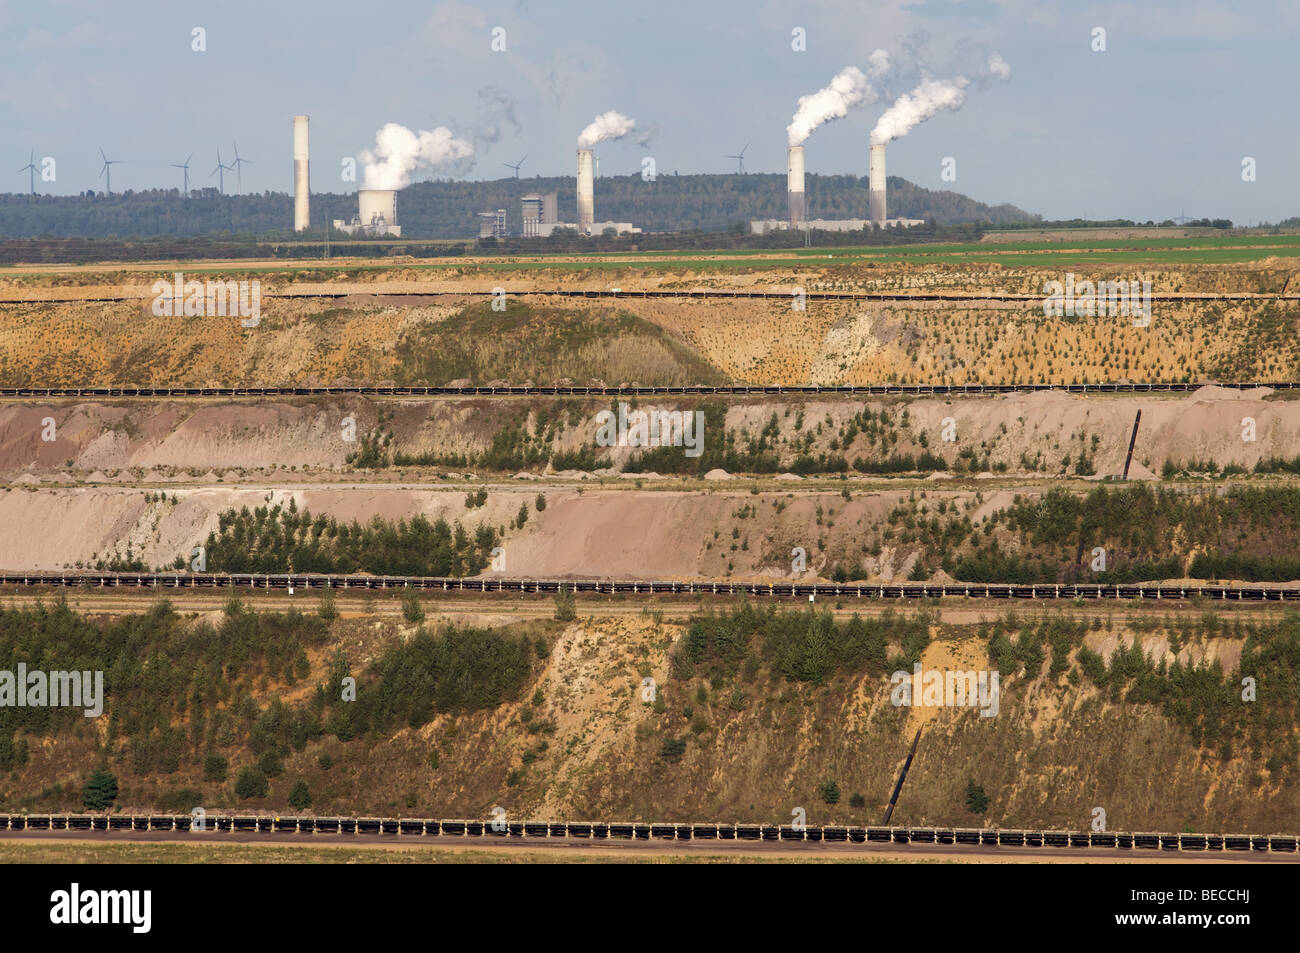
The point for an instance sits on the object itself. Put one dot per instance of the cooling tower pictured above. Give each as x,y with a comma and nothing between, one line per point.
876,183
794,183
301,183
377,206
586,192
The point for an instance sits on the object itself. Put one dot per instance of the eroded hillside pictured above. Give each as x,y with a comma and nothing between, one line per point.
742,716
378,328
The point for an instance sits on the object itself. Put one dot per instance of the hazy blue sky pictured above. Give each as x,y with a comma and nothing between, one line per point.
1157,123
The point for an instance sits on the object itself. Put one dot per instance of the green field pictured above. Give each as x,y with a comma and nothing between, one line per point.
1198,250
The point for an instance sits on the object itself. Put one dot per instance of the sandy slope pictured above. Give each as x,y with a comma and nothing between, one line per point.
197,437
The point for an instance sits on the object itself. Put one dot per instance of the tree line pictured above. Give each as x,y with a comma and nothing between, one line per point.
448,209
279,539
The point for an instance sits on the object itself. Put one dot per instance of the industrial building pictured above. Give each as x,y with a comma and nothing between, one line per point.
492,224
537,210
761,226
540,215
796,202
376,215
586,195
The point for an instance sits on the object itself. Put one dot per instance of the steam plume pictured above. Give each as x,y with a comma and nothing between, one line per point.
398,152
850,87
609,125
911,109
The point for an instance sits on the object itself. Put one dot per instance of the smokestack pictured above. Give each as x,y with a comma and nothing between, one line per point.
876,182
794,183
586,192
301,183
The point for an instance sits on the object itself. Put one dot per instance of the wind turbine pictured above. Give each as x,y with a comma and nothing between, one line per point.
31,167
740,158
239,176
185,167
107,170
220,170
514,166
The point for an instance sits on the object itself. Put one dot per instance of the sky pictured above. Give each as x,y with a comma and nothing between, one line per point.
1157,124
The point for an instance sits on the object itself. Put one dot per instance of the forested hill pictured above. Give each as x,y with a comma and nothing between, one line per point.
446,209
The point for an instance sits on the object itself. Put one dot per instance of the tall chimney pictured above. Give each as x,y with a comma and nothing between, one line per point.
876,182
301,184
586,192
794,183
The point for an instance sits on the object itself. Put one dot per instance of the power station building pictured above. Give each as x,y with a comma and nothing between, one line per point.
539,213
536,211
586,201
796,201
376,215
492,224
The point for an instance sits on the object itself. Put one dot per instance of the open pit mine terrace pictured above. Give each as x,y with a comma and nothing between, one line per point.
1246,846
633,390
832,590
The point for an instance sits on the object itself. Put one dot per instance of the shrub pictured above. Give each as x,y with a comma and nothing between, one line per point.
829,791
300,796
412,611
857,800
673,749
269,764
564,606
977,802
100,791
215,768
250,783
327,609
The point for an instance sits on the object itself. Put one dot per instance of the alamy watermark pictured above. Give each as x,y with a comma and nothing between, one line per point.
24,689
208,299
75,905
946,689
1104,298
653,428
